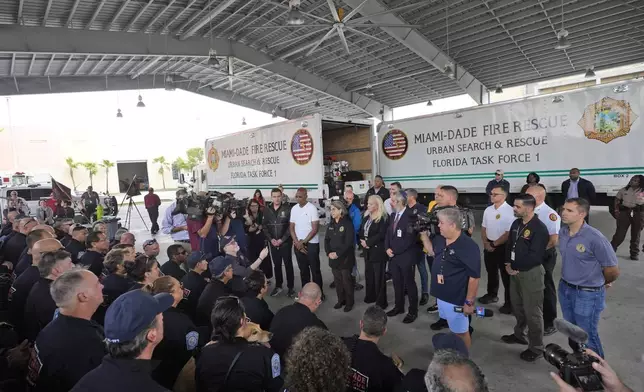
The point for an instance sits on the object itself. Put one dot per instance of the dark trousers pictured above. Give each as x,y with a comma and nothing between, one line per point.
633,218
279,255
153,212
375,284
309,264
344,285
403,274
550,291
495,262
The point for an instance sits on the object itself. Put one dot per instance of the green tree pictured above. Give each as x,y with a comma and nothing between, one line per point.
195,157
163,166
92,170
107,165
71,165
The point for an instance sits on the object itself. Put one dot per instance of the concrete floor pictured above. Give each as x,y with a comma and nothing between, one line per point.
621,327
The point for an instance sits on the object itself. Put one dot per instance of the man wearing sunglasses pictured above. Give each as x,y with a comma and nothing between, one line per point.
496,182
177,255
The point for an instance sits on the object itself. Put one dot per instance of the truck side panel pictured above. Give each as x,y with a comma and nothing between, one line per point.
598,130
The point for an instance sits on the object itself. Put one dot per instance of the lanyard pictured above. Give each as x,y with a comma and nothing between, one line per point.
516,236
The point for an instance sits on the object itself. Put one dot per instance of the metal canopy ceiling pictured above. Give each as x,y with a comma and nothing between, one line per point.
88,45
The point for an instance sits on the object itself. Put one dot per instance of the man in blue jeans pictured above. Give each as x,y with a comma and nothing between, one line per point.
589,266
419,209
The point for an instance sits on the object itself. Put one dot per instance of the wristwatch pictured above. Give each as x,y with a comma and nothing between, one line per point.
469,303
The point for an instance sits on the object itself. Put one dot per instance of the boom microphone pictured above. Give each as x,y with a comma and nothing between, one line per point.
572,331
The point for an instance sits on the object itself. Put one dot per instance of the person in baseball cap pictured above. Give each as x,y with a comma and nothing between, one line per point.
195,258
133,329
195,281
222,272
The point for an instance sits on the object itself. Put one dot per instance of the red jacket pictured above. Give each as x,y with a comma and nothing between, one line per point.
151,200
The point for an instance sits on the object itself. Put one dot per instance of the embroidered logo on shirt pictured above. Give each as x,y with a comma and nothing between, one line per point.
553,217
526,233
276,368
581,248
498,216
192,339
341,229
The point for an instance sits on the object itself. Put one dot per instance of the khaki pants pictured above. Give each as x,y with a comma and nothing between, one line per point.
526,295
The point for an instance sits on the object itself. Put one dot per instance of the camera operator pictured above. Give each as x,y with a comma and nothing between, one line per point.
589,265
610,380
204,233
176,225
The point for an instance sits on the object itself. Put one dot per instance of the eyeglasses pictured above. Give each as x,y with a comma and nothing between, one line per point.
149,242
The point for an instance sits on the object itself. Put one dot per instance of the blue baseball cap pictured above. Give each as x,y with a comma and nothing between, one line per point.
132,313
449,341
218,265
195,257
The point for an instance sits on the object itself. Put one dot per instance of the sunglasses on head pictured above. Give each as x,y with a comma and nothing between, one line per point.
149,242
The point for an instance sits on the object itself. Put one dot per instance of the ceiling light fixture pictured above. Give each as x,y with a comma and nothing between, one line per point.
499,89
590,73
139,104
449,70
458,115
243,120
274,113
499,86
369,93
294,16
429,102
212,59
557,99
118,113
562,35
317,104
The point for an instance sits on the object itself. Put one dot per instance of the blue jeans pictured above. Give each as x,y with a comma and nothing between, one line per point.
583,308
422,270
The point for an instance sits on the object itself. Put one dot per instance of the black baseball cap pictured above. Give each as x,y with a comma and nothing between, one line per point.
450,341
195,257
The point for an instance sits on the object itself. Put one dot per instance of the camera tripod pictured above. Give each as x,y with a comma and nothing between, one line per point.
131,204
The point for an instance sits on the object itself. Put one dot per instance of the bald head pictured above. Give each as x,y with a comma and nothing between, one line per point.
537,192
128,239
310,296
46,228
11,216
44,245
301,196
27,224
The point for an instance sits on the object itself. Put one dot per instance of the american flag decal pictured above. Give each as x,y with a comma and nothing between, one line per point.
302,147
394,144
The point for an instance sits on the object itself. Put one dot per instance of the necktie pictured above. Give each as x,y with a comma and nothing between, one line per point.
396,221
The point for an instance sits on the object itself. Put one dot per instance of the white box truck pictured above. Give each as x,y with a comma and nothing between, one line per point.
289,153
599,130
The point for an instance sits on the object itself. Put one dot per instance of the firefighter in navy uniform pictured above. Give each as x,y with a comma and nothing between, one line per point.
194,282
371,370
70,345
233,363
180,335
76,245
97,246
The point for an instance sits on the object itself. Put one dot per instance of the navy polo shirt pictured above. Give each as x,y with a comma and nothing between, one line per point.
210,244
458,262
584,255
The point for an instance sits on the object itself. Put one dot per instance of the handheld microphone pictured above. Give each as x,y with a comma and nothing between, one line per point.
572,331
480,311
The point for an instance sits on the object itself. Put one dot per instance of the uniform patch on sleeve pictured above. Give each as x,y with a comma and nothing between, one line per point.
192,339
186,293
553,217
276,367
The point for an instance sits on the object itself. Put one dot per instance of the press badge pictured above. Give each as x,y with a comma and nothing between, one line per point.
399,233
439,279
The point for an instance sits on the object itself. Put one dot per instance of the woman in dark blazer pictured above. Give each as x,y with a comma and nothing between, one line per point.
372,237
339,246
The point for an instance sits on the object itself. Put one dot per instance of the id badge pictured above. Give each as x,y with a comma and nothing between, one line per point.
399,233
512,255
439,279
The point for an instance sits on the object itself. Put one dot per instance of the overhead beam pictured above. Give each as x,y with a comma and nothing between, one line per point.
137,16
146,67
206,19
41,85
423,47
97,11
72,12
92,42
157,16
44,18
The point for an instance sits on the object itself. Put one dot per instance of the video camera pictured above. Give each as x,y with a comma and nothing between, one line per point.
429,221
196,205
575,368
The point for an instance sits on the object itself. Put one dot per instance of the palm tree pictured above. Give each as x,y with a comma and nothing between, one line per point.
72,166
163,166
92,169
107,165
